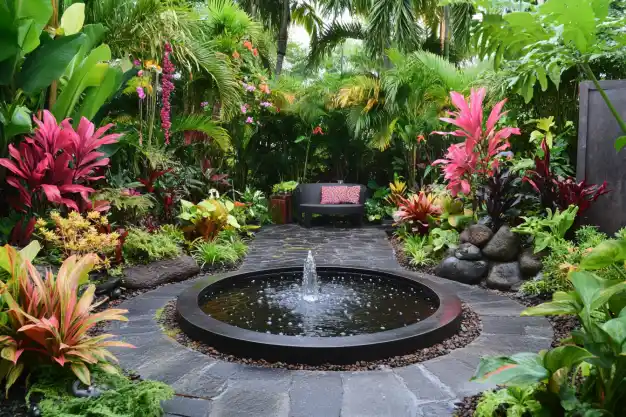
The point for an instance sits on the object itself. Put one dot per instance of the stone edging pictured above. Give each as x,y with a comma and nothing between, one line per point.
233,389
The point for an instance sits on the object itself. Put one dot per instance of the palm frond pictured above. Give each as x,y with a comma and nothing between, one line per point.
330,37
202,123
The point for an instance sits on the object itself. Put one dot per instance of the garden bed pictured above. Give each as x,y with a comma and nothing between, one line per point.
471,328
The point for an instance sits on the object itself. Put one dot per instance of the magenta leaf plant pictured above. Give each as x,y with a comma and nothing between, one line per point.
476,158
57,164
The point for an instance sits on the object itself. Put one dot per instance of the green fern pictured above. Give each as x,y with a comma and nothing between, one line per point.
123,398
205,124
143,247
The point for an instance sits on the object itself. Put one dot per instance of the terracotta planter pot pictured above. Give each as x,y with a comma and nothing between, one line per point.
281,208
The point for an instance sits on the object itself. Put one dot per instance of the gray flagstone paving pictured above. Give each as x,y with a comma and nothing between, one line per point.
224,389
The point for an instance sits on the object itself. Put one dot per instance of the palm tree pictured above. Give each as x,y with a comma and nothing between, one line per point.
142,27
404,24
402,102
277,15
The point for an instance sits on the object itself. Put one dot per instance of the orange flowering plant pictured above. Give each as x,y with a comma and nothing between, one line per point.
48,320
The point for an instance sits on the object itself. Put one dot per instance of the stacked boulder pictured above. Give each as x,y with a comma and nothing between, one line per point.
496,259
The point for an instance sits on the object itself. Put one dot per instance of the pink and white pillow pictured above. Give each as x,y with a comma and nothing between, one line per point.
340,194
333,194
351,195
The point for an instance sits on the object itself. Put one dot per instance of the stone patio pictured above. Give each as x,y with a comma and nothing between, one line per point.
224,389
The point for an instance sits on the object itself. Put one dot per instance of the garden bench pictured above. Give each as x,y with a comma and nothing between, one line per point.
308,199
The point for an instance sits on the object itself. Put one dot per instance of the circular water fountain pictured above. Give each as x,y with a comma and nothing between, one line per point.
328,314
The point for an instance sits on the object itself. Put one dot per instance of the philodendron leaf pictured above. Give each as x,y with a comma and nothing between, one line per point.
73,19
48,62
19,122
95,97
519,369
89,73
565,357
604,255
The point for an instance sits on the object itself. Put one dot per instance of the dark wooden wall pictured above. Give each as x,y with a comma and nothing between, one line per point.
597,159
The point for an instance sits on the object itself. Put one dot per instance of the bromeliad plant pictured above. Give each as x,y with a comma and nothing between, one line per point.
471,162
57,164
418,211
48,320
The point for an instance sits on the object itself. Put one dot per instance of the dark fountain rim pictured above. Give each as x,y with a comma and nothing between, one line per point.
442,324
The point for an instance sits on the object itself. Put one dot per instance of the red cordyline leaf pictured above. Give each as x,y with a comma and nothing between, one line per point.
154,176
57,162
478,153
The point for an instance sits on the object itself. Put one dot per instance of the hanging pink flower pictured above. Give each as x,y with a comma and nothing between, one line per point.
244,108
204,104
167,87
266,104
141,93
140,73
137,63
250,88
250,120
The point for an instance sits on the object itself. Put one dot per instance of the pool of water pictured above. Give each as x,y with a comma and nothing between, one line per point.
348,304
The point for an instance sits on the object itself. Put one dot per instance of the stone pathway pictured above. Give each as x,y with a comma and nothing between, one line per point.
224,389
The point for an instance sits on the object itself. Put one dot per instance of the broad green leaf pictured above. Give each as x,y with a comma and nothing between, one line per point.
86,75
301,139
35,15
543,79
95,34
620,143
616,329
229,205
82,372
30,251
600,8
553,308
73,19
605,295
565,357
95,97
604,255
13,375
19,123
520,369
48,62
232,221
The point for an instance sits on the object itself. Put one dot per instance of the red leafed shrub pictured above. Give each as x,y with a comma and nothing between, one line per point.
557,192
476,156
57,163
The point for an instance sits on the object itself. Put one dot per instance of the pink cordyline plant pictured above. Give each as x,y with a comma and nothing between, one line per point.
477,156
167,87
57,162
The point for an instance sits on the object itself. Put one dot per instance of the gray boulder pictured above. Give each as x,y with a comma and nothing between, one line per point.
467,272
503,247
504,276
477,235
529,263
468,252
161,272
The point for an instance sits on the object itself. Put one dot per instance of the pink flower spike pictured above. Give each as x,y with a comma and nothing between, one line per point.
140,73
141,93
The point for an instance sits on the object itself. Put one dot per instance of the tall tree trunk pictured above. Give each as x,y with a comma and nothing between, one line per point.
54,22
446,34
283,37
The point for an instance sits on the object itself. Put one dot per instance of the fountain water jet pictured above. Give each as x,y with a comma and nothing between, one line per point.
310,286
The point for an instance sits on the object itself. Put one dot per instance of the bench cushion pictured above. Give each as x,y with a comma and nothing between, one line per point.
332,208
